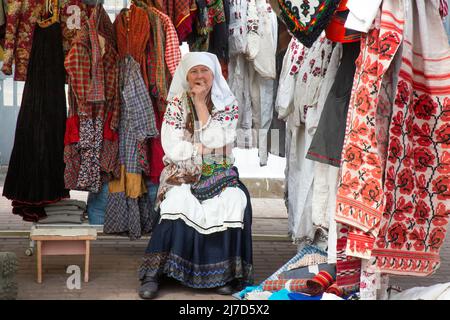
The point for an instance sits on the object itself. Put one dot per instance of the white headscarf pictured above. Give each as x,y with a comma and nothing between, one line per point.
221,94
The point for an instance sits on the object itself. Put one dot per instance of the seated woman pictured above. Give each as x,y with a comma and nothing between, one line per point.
203,238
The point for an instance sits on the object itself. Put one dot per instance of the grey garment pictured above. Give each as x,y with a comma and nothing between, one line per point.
64,212
305,273
277,132
239,85
262,97
326,146
68,202
62,208
62,218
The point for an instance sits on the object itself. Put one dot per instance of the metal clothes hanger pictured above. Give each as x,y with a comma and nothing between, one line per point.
51,7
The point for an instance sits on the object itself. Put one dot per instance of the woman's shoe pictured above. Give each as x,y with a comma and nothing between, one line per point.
149,288
225,290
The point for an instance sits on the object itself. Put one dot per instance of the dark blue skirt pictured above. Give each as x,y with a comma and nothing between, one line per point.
178,251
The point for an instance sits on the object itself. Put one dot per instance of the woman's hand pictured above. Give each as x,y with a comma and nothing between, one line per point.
199,93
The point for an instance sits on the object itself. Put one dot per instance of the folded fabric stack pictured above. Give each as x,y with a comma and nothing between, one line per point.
302,280
307,276
64,211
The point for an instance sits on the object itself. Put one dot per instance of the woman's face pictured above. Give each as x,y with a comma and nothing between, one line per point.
200,75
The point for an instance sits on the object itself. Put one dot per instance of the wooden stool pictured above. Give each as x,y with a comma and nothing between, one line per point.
52,242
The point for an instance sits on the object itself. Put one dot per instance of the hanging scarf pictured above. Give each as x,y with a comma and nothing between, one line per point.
306,19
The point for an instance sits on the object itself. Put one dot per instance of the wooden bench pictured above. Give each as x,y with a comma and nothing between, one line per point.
63,241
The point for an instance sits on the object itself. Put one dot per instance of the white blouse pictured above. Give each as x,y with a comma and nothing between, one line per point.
223,211
219,131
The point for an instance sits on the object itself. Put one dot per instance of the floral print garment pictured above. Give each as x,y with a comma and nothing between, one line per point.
417,179
360,201
22,16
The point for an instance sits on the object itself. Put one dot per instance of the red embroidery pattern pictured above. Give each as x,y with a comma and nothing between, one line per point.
360,200
417,186
174,114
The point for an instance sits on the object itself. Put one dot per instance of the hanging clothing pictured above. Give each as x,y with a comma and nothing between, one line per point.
360,199
163,56
277,136
137,124
131,28
182,13
238,70
326,146
326,179
292,62
362,14
284,105
417,182
172,58
237,40
310,80
303,76
91,142
239,83
253,32
211,27
306,21
325,176
172,53
20,23
262,73
336,30
185,14
36,169
70,25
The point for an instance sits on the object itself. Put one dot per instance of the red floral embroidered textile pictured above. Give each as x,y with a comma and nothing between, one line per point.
360,201
417,179
348,269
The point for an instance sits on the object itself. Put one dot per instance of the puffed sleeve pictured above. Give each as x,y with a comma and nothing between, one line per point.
220,130
173,141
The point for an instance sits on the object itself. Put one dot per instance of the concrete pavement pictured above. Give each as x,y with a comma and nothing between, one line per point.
115,260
